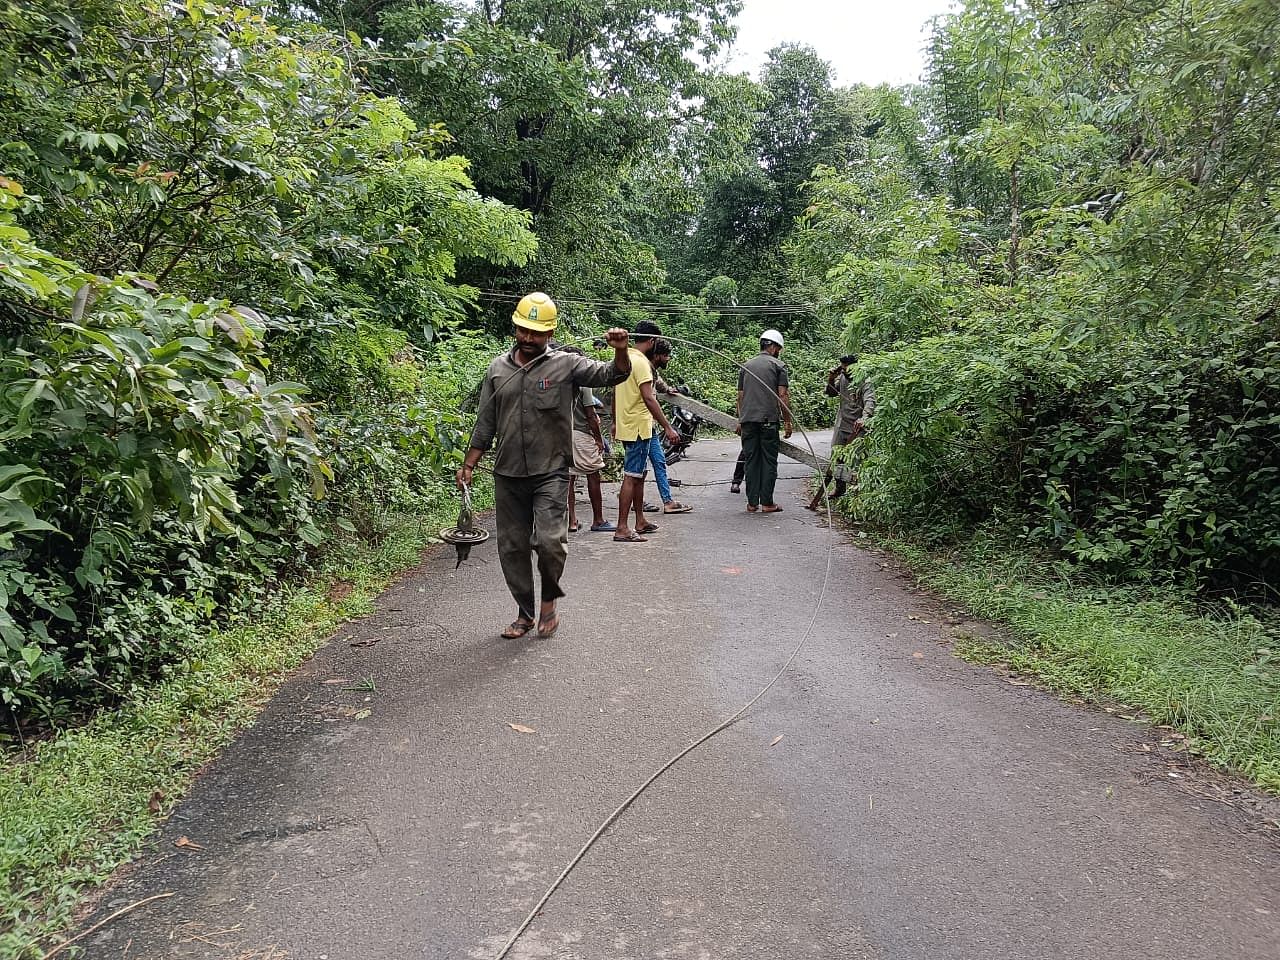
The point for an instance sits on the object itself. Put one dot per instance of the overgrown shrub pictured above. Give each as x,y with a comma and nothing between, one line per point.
142,441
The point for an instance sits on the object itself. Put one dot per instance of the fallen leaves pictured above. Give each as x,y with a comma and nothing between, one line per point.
731,571
521,728
186,843
777,740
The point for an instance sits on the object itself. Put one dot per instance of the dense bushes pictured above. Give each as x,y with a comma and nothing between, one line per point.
137,429
1163,453
1156,454
167,453
1076,339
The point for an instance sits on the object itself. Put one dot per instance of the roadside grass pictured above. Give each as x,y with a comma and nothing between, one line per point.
1212,674
75,807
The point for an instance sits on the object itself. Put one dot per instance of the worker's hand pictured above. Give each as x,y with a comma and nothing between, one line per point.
786,431
738,428
464,476
672,437
616,337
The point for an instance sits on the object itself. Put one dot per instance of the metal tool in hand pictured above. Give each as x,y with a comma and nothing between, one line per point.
464,536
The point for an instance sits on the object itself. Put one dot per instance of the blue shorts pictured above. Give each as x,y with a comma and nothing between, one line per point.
636,463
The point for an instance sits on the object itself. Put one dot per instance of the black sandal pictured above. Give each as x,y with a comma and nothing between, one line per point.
517,629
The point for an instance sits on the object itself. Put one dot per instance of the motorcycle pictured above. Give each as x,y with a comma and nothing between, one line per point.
685,423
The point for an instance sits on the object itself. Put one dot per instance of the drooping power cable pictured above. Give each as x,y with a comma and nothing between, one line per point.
724,725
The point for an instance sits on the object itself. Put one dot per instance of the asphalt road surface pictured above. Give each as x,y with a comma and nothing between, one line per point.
885,800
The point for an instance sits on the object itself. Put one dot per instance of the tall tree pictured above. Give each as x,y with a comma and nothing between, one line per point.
555,103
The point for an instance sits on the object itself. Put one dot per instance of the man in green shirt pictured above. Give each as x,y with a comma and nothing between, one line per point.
526,405
764,398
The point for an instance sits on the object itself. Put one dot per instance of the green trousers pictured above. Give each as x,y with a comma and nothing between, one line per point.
760,444
533,517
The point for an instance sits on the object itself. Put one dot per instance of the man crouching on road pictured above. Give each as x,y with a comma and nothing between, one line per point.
526,402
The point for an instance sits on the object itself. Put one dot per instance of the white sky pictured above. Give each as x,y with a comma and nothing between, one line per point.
866,41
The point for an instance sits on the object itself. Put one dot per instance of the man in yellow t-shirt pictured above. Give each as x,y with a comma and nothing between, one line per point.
635,408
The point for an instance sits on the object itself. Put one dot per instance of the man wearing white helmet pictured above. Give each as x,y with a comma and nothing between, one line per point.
526,411
764,399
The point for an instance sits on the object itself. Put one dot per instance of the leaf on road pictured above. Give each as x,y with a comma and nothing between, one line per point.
157,799
187,843
521,728
362,714
917,655
339,680
732,571
777,740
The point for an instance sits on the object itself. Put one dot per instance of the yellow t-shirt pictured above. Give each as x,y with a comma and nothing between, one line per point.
632,419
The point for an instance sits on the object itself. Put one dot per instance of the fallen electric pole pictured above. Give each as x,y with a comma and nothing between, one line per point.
718,417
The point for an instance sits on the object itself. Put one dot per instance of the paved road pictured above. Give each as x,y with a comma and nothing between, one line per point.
914,807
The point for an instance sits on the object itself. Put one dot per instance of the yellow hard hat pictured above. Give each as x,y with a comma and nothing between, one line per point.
536,311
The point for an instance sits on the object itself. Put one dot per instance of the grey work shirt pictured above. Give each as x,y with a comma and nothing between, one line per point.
857,404
529,410
758,381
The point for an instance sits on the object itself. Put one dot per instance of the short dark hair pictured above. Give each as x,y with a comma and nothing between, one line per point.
647,330
662,348
849,358
570,348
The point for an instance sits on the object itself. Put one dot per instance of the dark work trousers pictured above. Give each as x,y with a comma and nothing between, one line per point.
760,444
533,515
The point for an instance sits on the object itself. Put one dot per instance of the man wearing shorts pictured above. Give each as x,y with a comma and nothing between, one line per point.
588,457
635,408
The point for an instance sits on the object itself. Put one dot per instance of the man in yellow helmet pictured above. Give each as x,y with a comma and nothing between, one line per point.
526,405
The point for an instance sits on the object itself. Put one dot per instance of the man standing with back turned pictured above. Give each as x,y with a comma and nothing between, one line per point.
763,398
526,402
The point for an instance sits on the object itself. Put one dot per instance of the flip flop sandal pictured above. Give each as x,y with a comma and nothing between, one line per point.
632,537
547,628
648,528
752,508
771,508
650,508
607,527
575,528
517,629
675,506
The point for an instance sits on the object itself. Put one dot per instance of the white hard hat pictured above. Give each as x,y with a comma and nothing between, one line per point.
773,335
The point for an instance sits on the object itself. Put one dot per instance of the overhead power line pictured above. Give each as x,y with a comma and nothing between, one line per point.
753,309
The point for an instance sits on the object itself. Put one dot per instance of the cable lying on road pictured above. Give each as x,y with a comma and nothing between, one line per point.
724,725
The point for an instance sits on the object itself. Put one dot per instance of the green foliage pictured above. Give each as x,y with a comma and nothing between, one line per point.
139,415
1078,335
158,461
557,110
